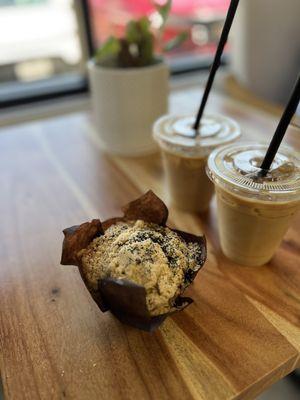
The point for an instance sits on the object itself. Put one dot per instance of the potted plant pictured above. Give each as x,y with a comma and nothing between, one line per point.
129,85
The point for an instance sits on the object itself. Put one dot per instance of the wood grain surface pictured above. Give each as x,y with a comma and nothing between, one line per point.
240,335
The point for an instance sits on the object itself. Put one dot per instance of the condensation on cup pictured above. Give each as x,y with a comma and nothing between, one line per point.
185,156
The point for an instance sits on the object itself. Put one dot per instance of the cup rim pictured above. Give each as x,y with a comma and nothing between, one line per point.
194,147
246,187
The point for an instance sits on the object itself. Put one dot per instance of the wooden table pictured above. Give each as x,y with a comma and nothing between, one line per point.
241,335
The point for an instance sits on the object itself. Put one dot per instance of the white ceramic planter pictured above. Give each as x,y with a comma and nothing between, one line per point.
125,104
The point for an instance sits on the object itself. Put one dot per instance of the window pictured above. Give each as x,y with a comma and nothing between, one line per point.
203,19
45,43
42,52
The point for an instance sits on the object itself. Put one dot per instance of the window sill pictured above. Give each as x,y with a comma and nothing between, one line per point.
81,102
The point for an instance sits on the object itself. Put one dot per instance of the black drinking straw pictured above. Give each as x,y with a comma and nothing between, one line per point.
281,128
216,63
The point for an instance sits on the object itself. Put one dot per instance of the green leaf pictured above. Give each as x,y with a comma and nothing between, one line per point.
109,49
144,25
132,32
164,11
176,41
137,30
146,51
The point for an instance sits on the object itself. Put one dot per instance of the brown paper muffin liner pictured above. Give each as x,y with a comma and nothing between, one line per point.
125,299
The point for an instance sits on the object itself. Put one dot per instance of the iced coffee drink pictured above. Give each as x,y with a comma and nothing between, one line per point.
185,156
254,211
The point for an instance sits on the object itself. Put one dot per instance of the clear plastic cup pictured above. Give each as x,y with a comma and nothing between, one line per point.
254,212
185,155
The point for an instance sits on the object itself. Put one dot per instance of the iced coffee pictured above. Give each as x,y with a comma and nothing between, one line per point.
185,156
254,211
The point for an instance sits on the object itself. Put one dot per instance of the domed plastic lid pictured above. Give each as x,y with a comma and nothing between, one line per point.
176,134
237,168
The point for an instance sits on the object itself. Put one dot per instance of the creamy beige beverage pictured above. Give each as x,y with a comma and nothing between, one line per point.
185,156
254,212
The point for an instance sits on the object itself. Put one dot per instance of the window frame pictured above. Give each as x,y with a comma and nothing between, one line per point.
44,90
82,10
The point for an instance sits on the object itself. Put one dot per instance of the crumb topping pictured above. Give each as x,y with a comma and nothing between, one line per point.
146,254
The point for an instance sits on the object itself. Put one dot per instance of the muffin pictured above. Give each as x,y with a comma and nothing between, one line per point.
147,254
135,265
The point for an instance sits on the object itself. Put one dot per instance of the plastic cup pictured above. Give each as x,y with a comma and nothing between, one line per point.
185,156
254,212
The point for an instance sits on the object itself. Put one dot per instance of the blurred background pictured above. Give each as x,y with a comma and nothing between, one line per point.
45,43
